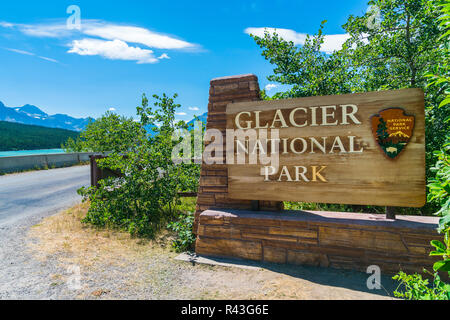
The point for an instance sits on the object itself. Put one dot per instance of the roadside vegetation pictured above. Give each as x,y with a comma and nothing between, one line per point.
144,199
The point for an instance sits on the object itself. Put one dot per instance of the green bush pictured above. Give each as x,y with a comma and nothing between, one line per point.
417,288
142,199
183,226
439,185
109,133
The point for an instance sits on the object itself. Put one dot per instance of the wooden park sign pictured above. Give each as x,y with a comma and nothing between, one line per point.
366,148
363,148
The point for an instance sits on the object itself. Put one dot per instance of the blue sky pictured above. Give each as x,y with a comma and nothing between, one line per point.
126,48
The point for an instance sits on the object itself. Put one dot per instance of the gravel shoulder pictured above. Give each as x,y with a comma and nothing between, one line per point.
61,258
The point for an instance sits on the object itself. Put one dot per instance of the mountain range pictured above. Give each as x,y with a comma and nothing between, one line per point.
32,115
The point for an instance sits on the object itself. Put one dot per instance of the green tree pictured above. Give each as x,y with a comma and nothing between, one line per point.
399,52
395,52
439,188
109,133
17,136
142,198
406,47
308,70
382,131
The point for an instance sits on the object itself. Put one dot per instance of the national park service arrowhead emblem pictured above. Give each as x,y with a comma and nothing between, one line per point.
392,130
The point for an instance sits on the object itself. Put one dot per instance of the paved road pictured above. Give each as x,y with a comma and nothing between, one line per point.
26,198
39,193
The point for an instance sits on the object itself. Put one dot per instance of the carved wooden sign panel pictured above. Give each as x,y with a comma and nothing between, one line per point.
366,148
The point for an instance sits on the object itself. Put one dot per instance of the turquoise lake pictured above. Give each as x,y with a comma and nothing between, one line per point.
29,152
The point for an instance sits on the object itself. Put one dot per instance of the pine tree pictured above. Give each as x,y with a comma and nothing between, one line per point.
382,131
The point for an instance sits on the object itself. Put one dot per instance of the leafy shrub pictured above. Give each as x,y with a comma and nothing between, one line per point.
109,133
183,228
439,186
417,288
149,181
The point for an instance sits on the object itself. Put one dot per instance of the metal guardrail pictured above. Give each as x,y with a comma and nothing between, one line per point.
42,161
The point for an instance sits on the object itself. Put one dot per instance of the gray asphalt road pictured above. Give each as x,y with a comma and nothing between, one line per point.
38,193
26,198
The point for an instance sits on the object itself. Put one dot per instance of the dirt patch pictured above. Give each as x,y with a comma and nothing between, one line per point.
113,265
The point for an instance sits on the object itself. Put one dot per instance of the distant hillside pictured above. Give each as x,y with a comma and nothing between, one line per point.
32,115
190,124
201,118
15,136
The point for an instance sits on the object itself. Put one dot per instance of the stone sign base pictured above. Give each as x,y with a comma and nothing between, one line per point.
327,239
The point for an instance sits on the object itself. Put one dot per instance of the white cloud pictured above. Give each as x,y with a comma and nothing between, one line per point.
119,36
181,113
52,30
112,109
163,56
113,50
271,86
135,35
286,34
46,30
20,51
6,24
104,30
31,54
334,42
331,42
194,108
48,59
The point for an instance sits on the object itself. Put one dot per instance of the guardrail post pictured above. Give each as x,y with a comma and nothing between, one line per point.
390,213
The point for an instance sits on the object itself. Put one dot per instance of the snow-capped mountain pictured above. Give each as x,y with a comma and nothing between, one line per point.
29,114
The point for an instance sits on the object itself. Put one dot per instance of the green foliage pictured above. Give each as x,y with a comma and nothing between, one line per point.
439,185
183,227
382,130
396,53
16,136
291,205
110,132
401,53
73,145
408,48
137,201
417,288
442,250
309,71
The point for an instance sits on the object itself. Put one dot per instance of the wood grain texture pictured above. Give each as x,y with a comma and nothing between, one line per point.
367,178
